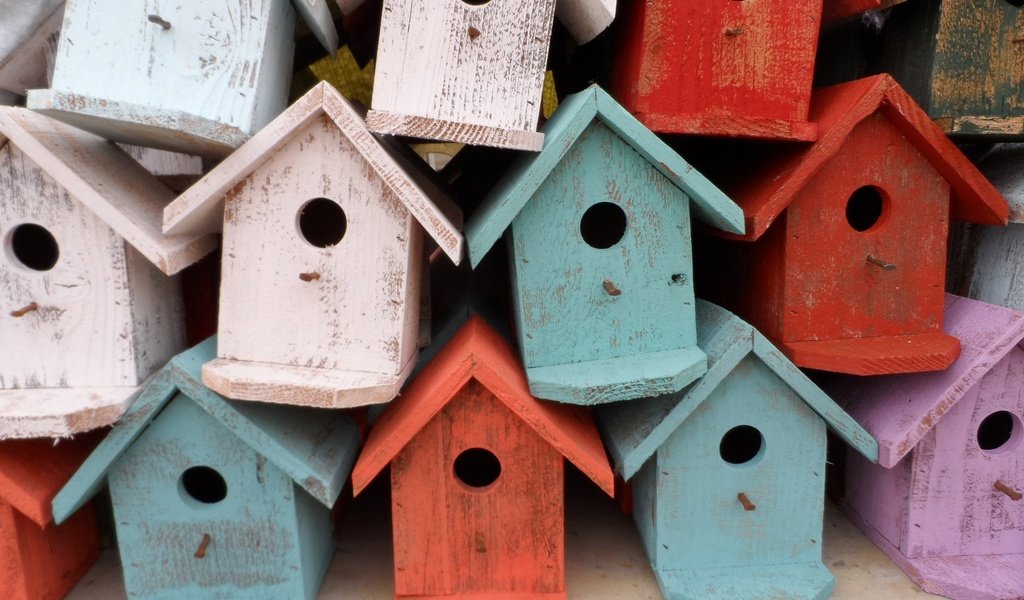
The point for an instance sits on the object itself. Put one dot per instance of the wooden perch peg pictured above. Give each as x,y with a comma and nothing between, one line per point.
881,263
203,545
158,21
1011,493
21,312
733,31
747,504
307,277
611,289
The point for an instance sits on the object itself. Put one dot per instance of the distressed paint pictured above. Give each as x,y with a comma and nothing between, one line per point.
701,540
930,503
736,69
28,34
597,153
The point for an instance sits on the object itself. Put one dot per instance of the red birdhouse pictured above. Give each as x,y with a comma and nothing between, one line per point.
38,559
735,69
477,474
847,267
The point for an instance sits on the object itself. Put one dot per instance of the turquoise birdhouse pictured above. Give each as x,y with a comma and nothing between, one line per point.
600,251
216,499
729,474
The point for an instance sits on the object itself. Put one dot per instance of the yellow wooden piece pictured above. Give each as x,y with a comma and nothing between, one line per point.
343,72
549,98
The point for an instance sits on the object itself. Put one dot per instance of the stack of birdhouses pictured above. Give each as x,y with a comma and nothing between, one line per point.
647,316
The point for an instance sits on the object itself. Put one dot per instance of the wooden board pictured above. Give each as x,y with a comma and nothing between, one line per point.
28,41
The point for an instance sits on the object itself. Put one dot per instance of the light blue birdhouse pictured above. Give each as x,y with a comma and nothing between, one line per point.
193,77
601,255
729,474
216,499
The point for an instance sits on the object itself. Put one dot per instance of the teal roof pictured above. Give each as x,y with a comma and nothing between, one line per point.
315,447
573,116
633,431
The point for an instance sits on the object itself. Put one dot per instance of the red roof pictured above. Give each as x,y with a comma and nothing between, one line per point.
478,352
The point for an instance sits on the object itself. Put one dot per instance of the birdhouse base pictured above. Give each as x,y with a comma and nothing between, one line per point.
735,126
301,386
60,412
616,379
991,128
492,596
139,125
805,581
880,355
452,131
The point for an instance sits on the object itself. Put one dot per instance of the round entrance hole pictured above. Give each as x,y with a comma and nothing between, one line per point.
204,484
475,2
997,430
322,222
477,467
34,247
864,208
741,444
603,225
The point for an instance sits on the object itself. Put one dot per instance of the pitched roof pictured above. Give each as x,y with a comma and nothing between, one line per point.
837,110
32,471
899,410
106,181
201,207
573,116
634,431
316,448
478,352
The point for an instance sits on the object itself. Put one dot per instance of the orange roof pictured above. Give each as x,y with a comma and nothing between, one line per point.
478,352
837,110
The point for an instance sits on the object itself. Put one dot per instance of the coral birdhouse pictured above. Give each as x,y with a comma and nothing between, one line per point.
471,71
601,257
122,71
87,310
472,457
39,559
848,265
945,501
707,466
214,499
322,258
736,69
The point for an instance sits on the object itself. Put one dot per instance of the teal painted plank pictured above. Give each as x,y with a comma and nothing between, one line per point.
807,581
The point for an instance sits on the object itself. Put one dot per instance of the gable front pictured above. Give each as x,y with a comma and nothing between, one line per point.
601,258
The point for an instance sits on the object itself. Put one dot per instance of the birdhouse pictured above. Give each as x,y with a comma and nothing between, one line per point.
218,499
39,559
323,235
87,315
944,501
471,71
600,254
115,67
28,40
708,465
472,457
848,263
735,69
960,60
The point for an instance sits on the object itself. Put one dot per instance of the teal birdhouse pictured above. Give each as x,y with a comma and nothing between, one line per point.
729,474
214,499
600,250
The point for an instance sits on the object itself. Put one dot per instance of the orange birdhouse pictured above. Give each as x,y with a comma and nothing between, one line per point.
38,559
847,267
477,474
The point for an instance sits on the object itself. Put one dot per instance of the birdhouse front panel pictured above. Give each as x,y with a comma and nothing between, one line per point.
462,70
605,243
201,513
477,505
865,249
722,68
318,256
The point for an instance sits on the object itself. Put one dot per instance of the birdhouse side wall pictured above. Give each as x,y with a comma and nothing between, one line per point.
232,56
80,333
887,279
158,314
953,498
989,276
352,313
162,518
452,538
480,63
645,508
879,496
698,489
633,297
